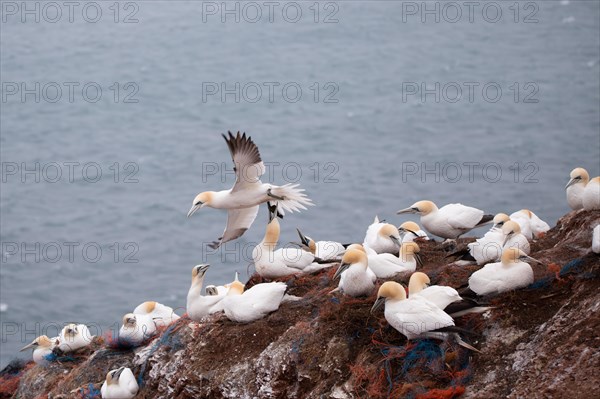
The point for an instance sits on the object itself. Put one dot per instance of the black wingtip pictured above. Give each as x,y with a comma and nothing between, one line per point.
485,219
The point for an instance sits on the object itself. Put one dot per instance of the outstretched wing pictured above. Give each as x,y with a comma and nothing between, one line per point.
238,221
247,164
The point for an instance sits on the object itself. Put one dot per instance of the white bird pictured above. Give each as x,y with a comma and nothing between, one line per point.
596,239
489,247
119,384
324,250
163,315
356,279
579,178
591,195
136,329
199,306
531,225
410,230
382,237
246,306
42,348
386,265
445,298
221,291
413,317
243,199
508,274
513,237
73,337
450,221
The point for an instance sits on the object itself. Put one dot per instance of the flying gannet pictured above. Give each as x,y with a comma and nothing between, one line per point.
410,230
119,384
246,306
449,221
414,317
575,186
356,279
382,237
531,225
73,337
591,195
136,329
243,199
508,274
161,314
199,306
42,347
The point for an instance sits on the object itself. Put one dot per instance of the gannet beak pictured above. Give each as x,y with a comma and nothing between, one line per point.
343,267
303,238
396,241
533,259
407,210
202,269
571,182
118,373
272,211
408,231
419,260
378,303
31,345
506,239
193,209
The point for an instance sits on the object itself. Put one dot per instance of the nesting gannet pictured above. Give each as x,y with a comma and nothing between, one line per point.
243,199
199,306
410,230
489,247
386,265
449,221
596,239
382,237
325,250
356,279
73,337
247,306
508,274
531,225
513,237
119,384
413,317
136,329
42,347
445,298
575,186
163,315
591,195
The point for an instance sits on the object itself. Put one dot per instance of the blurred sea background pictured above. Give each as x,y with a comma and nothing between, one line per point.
363,139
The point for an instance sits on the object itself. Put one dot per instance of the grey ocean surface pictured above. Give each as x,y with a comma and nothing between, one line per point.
351,153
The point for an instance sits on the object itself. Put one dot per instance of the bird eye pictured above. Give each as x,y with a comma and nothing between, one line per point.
415,209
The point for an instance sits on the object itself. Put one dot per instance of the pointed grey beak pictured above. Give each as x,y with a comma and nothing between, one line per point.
533,259
31,345
118,373
193,209
508,236
571,182
403,230
343,267
378,304
419,260
407,210
303,238
396,240
202,269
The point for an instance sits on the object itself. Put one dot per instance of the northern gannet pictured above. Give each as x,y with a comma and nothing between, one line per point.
596,239
449,221
246,306
513,237
410,230
445,298
243,199
531,225
199,306
382,237
73,337
161,314
221,291
413,317
575,186
591,195
508,274
119,384
386,265
356,279
136,329
324,250
489,247
42,347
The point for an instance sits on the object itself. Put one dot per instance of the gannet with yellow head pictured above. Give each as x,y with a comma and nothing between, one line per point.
513,238
356,279
243,306
449,221
73,337
410,230
386,265
243,199
198,305
42,347
382,237
324,250
136,329
579,178
163,315
510,273
119,384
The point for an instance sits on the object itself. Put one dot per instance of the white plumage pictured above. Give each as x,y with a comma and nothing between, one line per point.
136,329
382,237
508,274
531,225
596,239
591,195
356,279
257,302
119,384
42,347
579,178
386,265
73,337
163,315
198,305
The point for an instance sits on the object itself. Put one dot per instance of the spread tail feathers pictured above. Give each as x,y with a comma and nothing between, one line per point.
294,198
